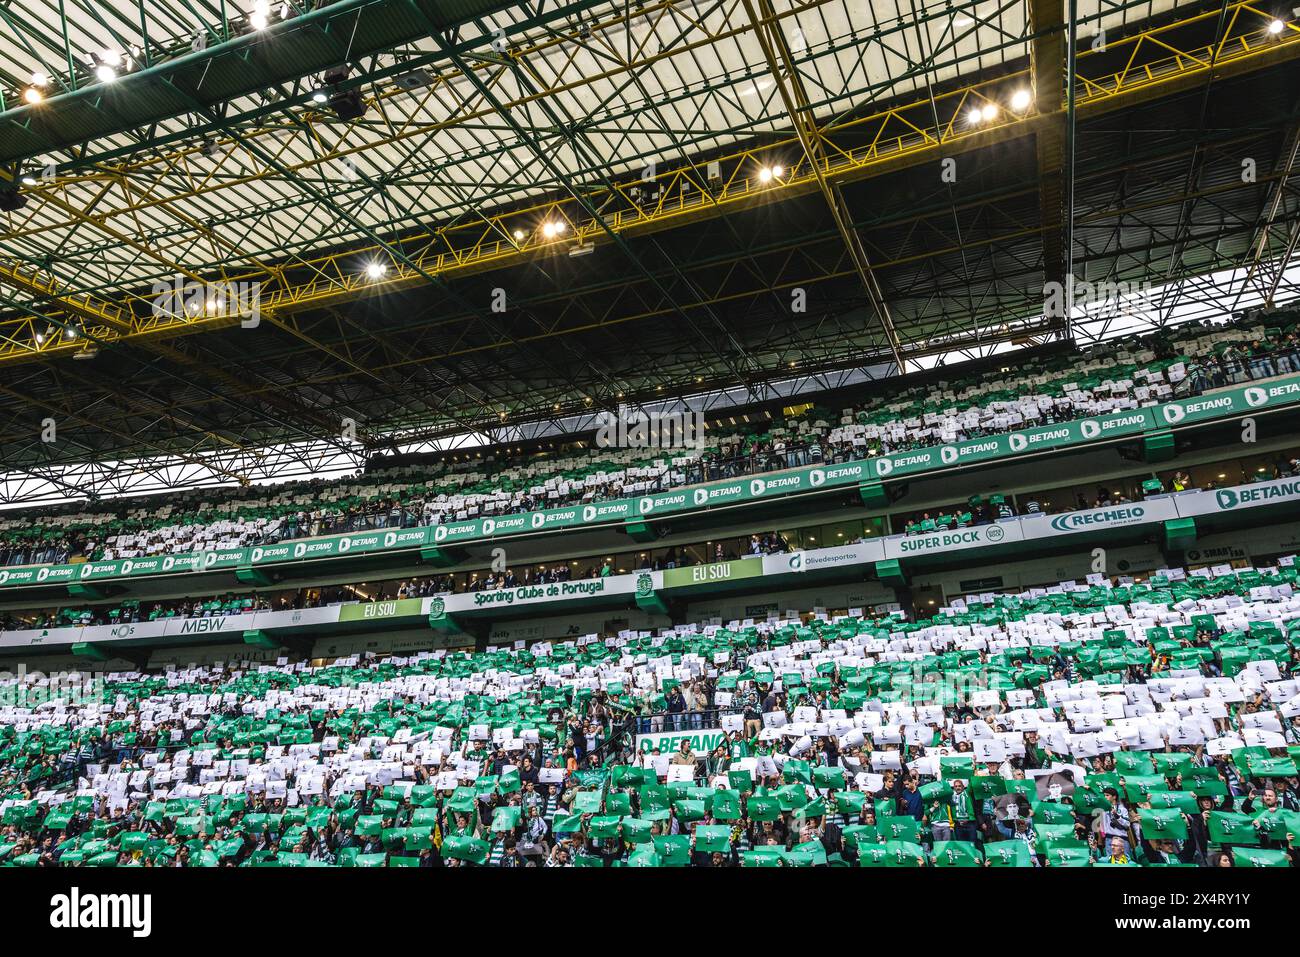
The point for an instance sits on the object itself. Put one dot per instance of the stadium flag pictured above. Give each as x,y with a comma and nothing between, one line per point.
1163,824
461,848
957,854
1260,857
1228,827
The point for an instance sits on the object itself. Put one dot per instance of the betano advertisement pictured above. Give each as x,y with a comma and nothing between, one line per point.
1223,404
1010,531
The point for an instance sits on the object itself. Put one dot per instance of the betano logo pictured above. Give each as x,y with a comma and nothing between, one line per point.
701,496
1226,498
757,487
948,455
74,911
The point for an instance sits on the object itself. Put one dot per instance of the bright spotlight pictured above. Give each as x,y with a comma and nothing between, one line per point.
32,95
40,79
974,117
519,235
320,96
1276,27
1020,100
548,230
105,73
69,332
257,21
376,270
778,171
989,112
765,175
28,179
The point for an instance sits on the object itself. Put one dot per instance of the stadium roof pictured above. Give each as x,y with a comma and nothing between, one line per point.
550,208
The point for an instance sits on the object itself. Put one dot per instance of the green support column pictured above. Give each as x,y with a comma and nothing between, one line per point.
891,572
441,555
873,494
647,599
1179,533
88,592
439,620
1158,446
87,649
252,576
640,530
260,639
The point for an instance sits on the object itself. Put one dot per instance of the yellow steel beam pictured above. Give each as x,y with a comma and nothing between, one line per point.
789,84
890,139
